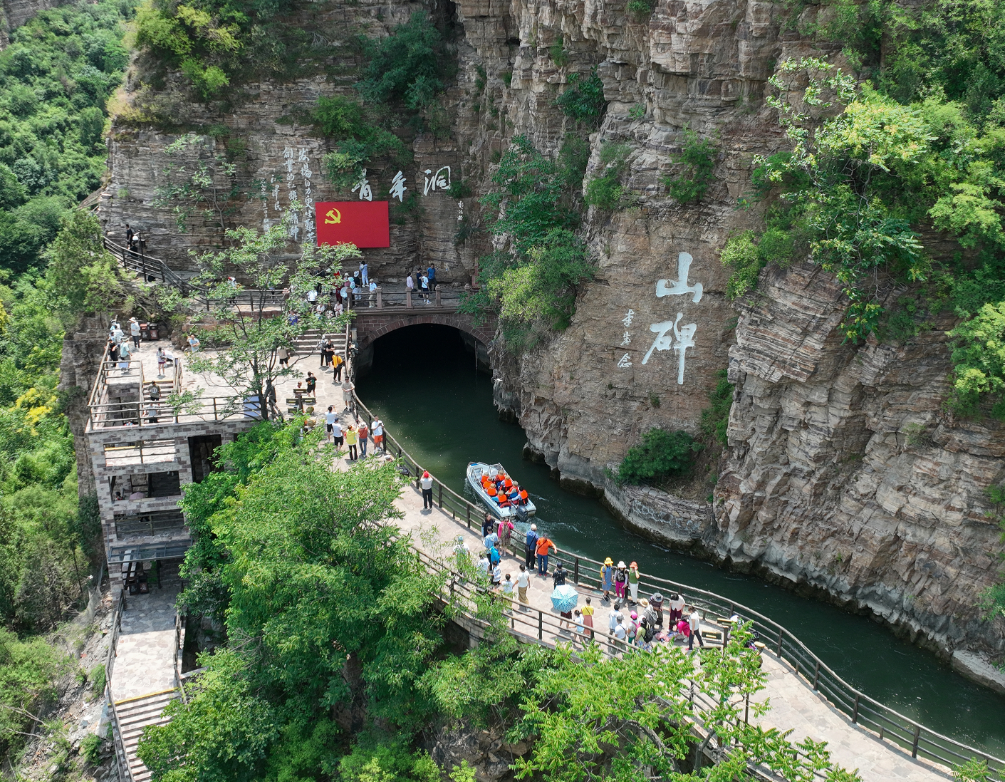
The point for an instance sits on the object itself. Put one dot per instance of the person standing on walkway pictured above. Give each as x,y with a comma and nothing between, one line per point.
124,356
462,553
487,524
633,581
364,433
424,282
588,612
557,580
129,235
491,540
347,389
337,362
607,577
331,421
543,546
312,383
409,285
676,608
351,439
431,276
613,620
371,299
694,622
283,354
193,343
161,361
377,428
427,490
522,583
496,573
620,580
507,589
483,564
325,349
505,530
530,546
364,272
134,332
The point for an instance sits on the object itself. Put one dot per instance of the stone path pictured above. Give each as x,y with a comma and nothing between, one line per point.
144,654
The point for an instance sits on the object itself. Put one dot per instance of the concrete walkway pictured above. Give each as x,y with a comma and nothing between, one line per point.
794,705
144,654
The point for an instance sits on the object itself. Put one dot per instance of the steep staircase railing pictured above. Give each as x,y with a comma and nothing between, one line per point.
869,714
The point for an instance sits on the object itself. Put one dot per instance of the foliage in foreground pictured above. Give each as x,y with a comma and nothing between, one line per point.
659,456
326,612
336,661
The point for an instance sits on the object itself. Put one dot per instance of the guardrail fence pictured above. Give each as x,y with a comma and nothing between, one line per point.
868,713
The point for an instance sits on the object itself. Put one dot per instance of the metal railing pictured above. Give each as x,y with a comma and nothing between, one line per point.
532,625
155,270
149,523
863,711
120,746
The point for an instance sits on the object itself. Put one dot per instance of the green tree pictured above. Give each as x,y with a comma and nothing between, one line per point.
83,277
328,614
249,336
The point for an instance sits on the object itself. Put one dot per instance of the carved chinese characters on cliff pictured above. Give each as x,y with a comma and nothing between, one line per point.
670,335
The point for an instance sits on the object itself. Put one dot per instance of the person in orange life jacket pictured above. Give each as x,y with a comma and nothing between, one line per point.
427,490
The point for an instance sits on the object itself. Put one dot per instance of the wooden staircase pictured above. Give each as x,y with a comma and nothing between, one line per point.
135,714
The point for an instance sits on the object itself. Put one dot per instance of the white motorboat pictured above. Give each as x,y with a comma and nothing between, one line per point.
518,508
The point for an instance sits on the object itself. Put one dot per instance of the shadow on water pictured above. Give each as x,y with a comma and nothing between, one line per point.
424,385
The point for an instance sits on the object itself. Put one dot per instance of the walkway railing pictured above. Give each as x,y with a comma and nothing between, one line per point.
120,746
867,713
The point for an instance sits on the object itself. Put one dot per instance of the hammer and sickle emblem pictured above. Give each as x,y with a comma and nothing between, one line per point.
333,217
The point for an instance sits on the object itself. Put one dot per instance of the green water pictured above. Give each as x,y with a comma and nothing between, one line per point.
424,386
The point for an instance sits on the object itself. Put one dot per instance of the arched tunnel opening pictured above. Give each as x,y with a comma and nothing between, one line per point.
423,348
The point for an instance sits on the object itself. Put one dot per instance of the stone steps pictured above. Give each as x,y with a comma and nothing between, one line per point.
134,715
306,344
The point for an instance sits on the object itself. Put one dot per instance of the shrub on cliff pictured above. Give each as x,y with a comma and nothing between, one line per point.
583,99
606,191
696,164
659,456
534,207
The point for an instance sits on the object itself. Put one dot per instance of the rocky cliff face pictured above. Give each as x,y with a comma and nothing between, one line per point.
844,473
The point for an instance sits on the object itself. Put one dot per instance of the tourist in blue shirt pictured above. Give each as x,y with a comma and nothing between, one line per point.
531,544
431,275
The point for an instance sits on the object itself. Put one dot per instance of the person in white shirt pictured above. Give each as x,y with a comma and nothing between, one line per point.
507,586
483,563
615,620
676,608
372,298
134,332
331,419
694,621
427,490
462,552
522,584
377,430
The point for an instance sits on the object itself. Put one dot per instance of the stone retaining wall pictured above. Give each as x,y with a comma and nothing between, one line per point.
678,522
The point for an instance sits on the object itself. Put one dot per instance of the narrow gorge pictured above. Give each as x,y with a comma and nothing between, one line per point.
846,473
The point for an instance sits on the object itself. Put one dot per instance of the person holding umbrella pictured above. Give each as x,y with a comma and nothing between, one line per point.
563,597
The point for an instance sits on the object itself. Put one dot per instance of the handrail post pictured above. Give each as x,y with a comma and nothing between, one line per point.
408,300
575,572
441,496
779,643
380,298
437,298
917,737
854,714
816,675
467,510
540,625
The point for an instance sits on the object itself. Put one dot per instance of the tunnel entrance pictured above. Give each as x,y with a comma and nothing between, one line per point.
425,347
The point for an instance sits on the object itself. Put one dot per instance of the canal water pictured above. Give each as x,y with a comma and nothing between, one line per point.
423,384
